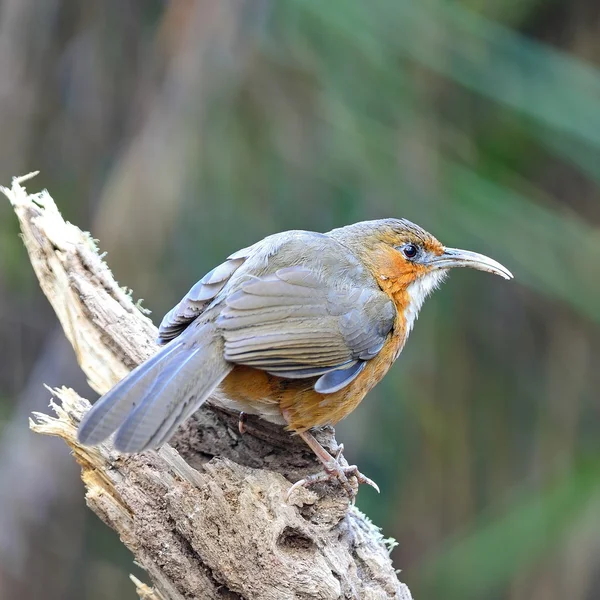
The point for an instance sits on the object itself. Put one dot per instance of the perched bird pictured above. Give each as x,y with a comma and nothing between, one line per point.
297,329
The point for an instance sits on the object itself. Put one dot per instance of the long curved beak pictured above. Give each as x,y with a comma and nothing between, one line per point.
453,257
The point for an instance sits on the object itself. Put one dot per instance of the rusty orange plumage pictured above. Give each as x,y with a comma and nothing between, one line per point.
297,329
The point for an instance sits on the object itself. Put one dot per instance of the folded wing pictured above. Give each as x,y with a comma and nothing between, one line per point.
193,304
295,324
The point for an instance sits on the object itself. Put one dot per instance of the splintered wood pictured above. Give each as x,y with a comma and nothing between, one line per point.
205,516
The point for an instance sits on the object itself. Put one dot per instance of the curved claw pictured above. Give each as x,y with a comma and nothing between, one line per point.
242,422
332,470
352,471
339,473
300,483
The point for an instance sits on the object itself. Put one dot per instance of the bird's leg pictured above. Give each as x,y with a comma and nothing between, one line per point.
332,467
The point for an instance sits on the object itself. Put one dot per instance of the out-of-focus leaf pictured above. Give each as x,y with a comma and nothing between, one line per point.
497,548
553,253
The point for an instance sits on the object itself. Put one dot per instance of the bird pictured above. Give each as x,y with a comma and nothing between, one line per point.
296,329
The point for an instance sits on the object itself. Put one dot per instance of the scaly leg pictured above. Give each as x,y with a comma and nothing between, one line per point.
332,467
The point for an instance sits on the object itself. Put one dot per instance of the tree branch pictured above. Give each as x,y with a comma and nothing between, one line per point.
206,516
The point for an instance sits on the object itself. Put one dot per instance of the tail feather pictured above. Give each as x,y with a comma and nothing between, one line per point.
108,413
187,409
154,399
150,411
186,384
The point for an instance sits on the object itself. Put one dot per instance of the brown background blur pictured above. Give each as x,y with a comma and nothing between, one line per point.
178,132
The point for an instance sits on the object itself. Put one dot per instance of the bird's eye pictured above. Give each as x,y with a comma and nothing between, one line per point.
410,250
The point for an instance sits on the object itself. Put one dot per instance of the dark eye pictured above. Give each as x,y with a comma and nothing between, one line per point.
410,250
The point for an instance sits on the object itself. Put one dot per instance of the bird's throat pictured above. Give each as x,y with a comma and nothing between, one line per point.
409,299
417,291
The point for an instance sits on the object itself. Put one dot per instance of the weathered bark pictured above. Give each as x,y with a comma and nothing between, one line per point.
206,516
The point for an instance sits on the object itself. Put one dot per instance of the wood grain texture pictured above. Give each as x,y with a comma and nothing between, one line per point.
206,516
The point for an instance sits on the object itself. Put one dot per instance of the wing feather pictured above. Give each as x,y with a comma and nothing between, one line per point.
291,321
294,323
334,381
198,298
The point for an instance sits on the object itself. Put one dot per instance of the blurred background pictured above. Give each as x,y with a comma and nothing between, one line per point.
178,132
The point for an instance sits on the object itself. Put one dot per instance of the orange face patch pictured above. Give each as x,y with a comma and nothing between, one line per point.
389,265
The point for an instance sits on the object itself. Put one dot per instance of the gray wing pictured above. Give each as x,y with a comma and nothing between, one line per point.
257,259
199,297
294,323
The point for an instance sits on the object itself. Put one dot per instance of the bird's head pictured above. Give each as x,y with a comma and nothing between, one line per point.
407,261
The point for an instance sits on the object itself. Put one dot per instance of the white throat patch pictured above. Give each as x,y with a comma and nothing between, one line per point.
418,291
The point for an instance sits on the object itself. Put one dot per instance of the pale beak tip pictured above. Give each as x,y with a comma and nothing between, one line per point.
501,270
454,257
505,273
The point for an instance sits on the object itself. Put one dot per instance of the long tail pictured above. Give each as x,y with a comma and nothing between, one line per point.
148,405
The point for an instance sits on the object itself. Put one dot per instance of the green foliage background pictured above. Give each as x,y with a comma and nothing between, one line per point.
179,132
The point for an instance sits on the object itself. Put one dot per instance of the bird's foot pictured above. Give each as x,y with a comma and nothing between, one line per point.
348,476
332,472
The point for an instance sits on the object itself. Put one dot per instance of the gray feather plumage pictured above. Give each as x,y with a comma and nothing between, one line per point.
197,299
335,380
269,306
111,410
327,326
151,400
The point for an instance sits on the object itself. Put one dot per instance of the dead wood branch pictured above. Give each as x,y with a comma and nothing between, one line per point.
205,516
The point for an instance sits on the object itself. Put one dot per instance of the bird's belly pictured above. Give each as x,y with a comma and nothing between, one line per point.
252,391
295,402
